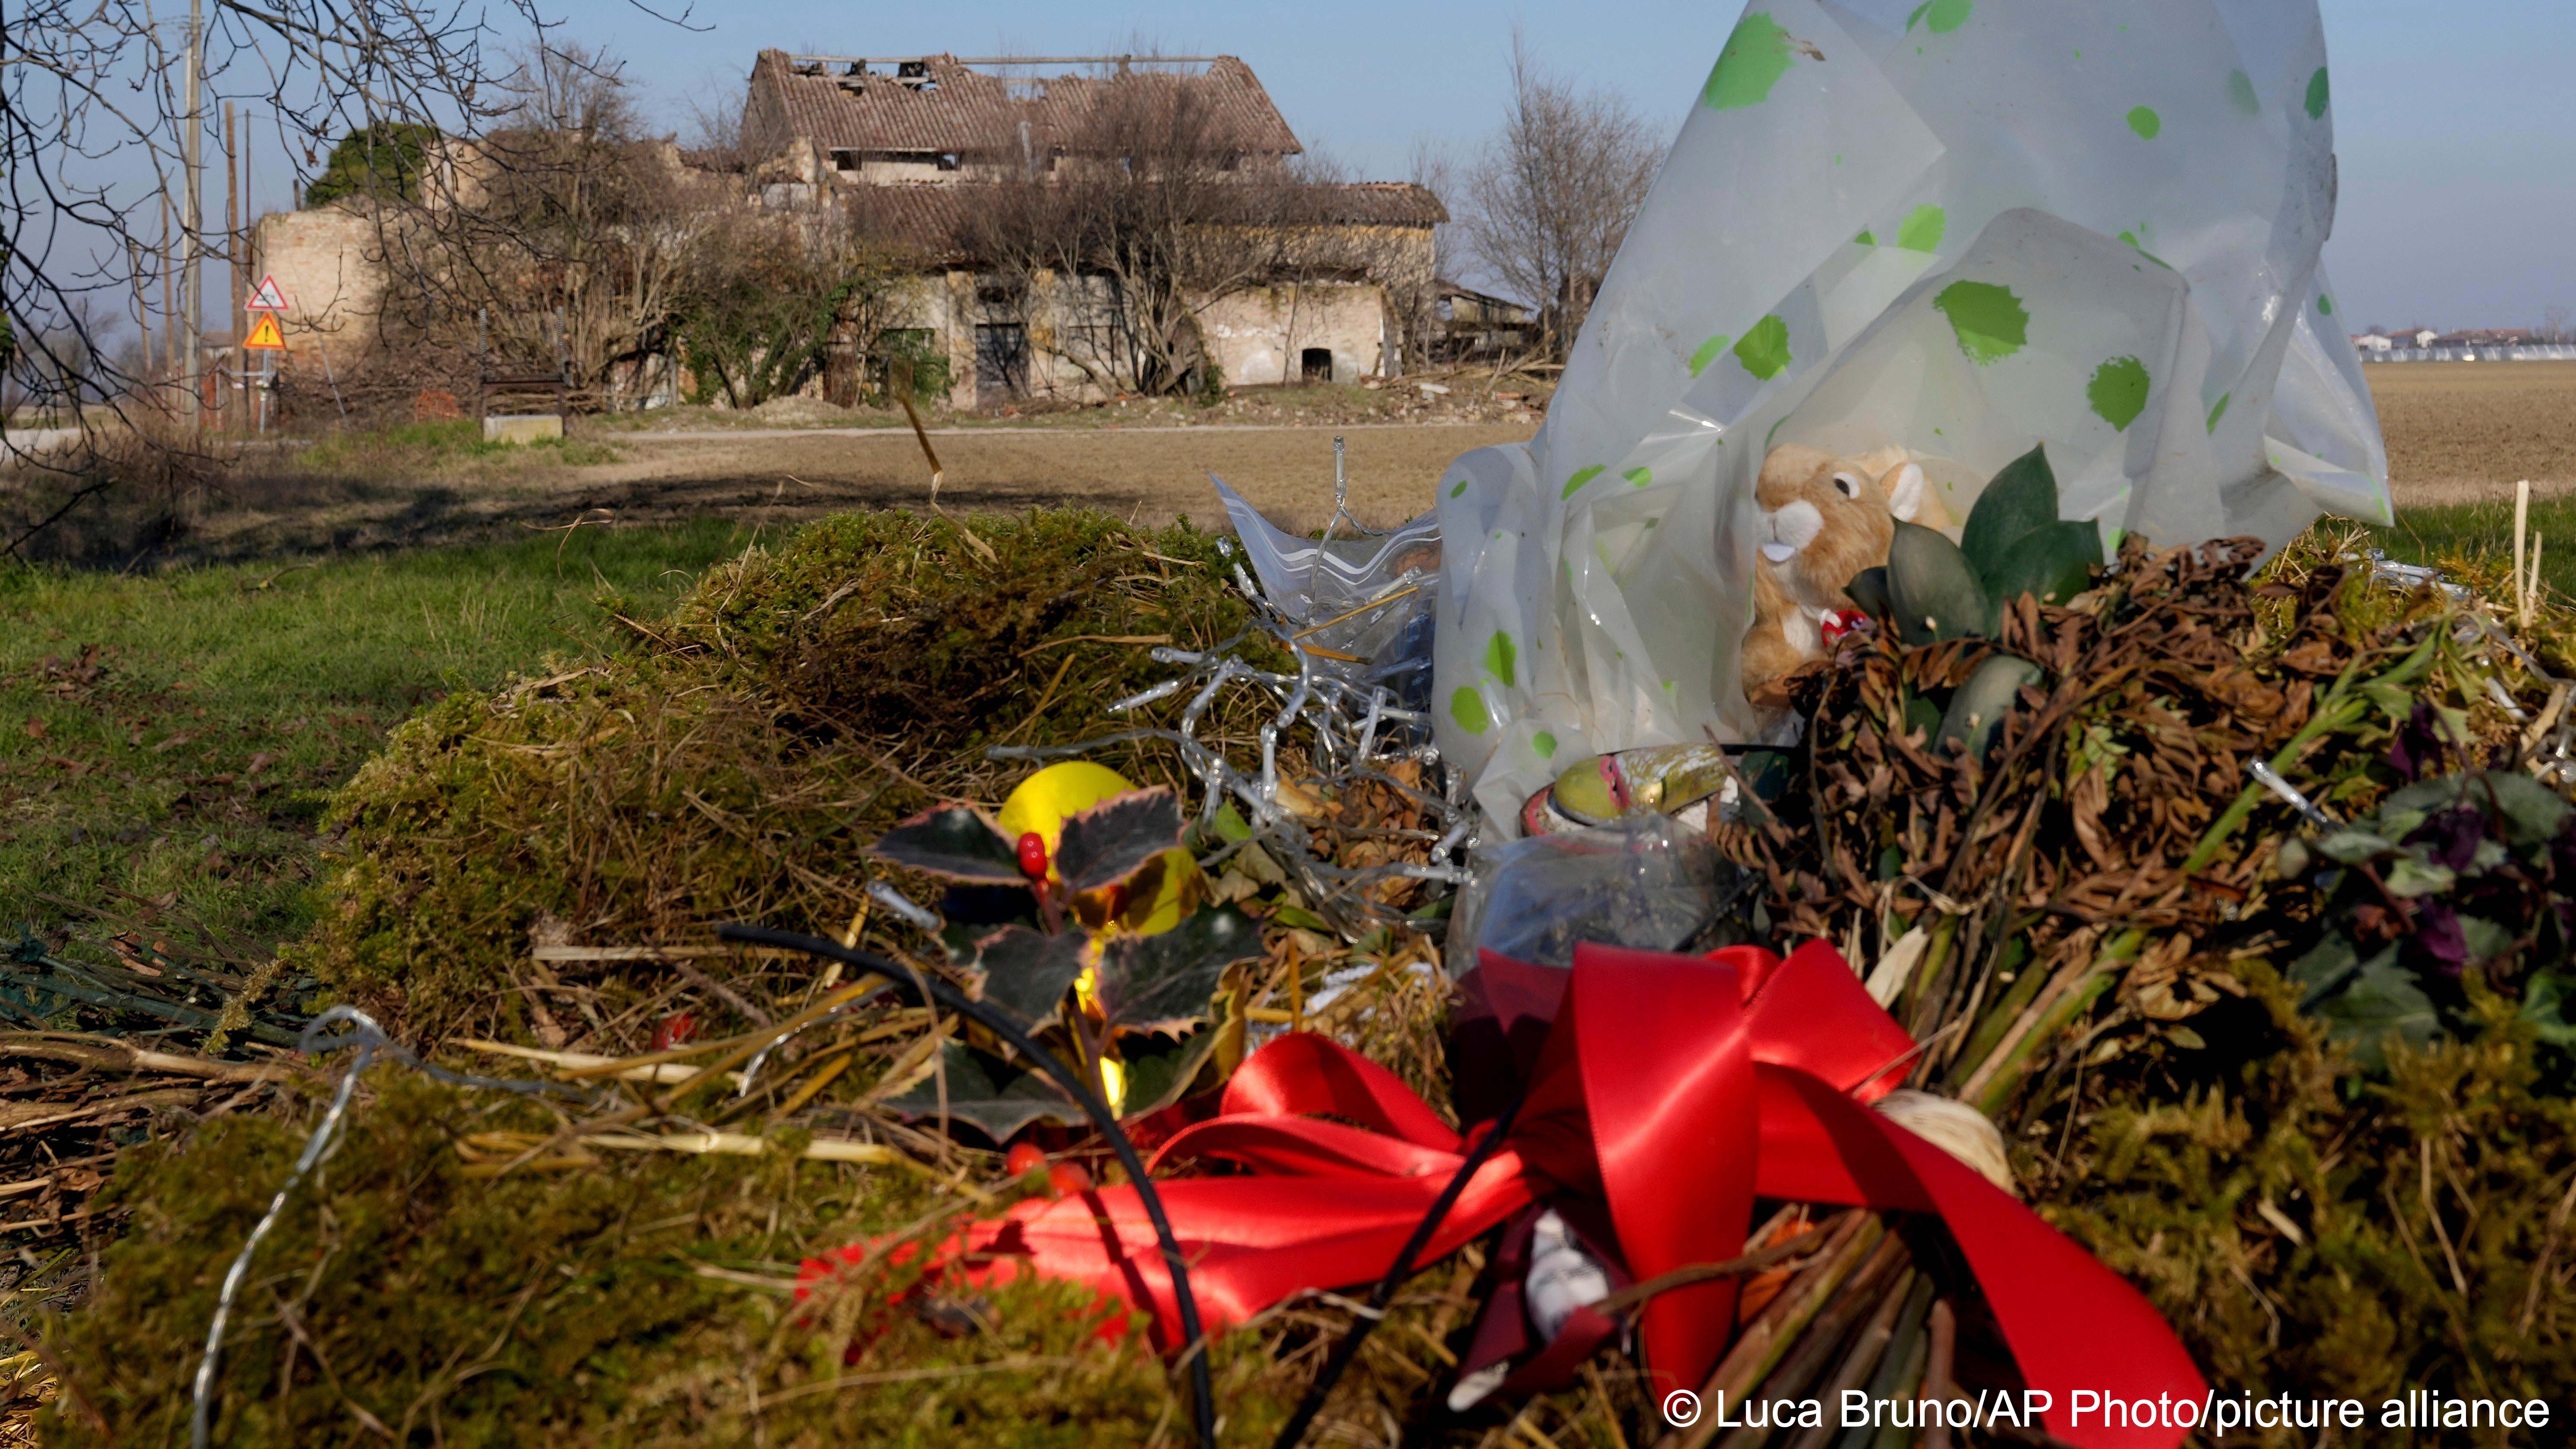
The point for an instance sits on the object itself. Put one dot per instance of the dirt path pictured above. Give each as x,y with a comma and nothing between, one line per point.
1153,474
2457,433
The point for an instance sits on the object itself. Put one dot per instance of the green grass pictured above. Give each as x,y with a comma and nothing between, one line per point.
166,742
420,444
2483,533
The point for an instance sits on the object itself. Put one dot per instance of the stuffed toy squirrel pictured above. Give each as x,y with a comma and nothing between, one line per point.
1824,519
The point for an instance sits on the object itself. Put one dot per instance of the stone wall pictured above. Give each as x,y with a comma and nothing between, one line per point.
1264,335
327,263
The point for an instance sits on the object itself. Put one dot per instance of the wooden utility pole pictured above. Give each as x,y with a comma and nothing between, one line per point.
169,306
234,262
192,219
142,298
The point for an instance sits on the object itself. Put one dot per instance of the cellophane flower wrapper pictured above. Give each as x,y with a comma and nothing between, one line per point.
1964,226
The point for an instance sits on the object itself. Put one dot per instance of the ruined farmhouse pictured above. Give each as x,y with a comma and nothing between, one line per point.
959,170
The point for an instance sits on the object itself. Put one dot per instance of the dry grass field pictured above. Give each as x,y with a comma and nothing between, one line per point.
2459,435
2463,432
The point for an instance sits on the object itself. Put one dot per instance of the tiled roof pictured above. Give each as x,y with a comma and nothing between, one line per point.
928,219
966,111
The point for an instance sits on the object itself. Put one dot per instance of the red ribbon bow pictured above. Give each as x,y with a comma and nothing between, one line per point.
1673,1089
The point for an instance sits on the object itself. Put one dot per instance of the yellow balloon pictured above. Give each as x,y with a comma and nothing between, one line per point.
1043,801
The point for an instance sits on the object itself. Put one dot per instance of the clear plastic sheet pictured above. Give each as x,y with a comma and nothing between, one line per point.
1368,596
1960,226
1646,882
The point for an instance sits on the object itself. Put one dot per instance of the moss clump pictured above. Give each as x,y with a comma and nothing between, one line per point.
2315,1230
402,1297
796,704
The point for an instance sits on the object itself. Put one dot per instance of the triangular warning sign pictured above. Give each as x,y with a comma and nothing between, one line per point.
264,336
267,298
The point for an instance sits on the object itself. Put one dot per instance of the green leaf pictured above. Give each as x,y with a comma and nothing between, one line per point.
984,1091
1868,591
2546,997
1027,973
2352,847
1979,705
1230,824
2324,970
2529,811
2016,542
2485,939
2055,562
2379,1004
1160,1070
1932,591
953,842
2021,498
2413,877
1163,982
1112,840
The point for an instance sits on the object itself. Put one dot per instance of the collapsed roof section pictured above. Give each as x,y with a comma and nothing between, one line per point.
940,105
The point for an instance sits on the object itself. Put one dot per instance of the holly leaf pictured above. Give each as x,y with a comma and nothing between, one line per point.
953,842
1164,982
1113,840
1027,973
985,1092
1160,1070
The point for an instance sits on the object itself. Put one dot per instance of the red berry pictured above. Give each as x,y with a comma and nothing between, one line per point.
1025,1158
1069,1177
1033,855
675,1029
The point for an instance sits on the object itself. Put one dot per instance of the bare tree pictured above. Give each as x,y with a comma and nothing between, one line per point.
558,242
2558,323
1113,247
99,130
766,295
1550,198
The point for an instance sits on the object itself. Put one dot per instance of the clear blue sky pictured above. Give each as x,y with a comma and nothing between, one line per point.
2457,138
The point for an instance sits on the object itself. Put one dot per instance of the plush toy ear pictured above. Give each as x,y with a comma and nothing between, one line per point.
1905,492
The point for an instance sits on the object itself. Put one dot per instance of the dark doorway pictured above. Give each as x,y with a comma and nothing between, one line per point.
1001,361
1315,364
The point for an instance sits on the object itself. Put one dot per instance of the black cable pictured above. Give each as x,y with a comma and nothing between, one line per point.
1399,1270
1202,1391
